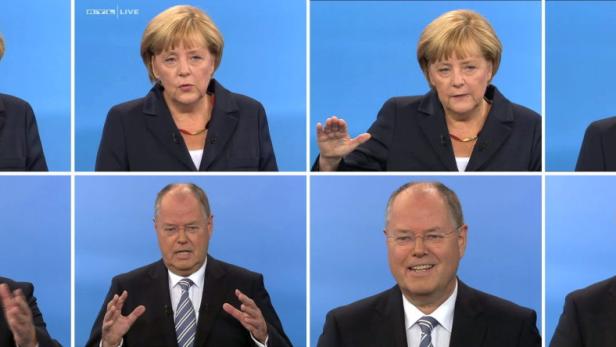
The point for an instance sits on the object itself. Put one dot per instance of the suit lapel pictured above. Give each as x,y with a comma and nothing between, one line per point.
434,128
469,326
160,123
211,302
222,126
160,283
389,320
495,132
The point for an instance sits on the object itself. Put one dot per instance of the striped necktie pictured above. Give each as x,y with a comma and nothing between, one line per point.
426,324
185,319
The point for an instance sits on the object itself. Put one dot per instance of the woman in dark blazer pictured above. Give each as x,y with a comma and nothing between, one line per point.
188,121
463,124
20,144
598,152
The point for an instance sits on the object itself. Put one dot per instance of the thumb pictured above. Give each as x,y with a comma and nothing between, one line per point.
360,139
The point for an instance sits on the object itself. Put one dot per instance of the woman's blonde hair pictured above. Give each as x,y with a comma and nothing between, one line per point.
456,32
1,46
177,25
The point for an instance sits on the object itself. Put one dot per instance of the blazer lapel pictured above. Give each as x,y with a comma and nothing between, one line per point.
389,320
160,123
160,283
433,125
223,124
211,301
469,327
495,131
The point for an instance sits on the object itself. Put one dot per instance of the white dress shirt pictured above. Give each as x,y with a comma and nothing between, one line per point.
195,292
441,334
462,163
196,155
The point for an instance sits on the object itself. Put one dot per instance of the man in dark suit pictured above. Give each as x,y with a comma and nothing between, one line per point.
188,298
20,144
598,152
589,317
21,323
429,306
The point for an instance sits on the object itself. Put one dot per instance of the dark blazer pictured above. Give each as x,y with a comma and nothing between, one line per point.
589,317
480,320
140,135
410,134
20,144
598,152
149,286
42,336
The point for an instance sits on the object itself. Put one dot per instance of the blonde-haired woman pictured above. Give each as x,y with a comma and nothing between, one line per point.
462,124
188,121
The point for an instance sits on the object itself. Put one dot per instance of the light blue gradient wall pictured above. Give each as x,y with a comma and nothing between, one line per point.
35,237
364,52
259,224
264,57
349,255
36,68
580,238
580,54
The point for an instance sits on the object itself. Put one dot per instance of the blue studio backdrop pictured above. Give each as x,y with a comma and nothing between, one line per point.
364,52
36,68
259,224
580,238
35,237
349,252
264,57
580,54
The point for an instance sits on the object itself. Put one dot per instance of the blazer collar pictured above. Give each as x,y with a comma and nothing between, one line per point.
495,131
214,290
164,313
222,125
389,319
469,325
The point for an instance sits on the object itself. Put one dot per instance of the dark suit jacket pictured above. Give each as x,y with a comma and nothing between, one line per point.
410,134
598,152
149,286
140,135
589,317
20,144
480,320
6,336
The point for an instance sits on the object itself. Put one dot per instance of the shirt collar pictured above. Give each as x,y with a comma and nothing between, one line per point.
443,314
198,277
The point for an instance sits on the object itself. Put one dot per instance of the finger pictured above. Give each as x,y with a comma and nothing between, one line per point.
121,300
21,305
243,298
320,129
112,302
235,313
137,312
5,294
360,139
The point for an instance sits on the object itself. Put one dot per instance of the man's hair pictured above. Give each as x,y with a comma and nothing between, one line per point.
191,187
448,195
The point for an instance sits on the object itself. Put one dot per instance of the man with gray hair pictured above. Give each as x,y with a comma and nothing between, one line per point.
429,306
188,298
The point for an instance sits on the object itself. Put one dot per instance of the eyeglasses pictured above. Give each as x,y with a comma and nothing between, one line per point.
431,238
171,229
